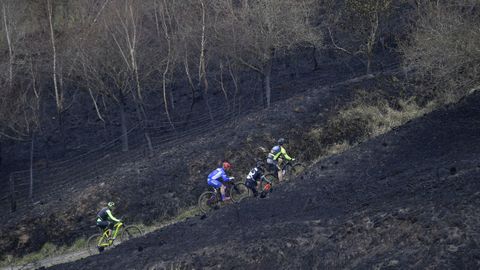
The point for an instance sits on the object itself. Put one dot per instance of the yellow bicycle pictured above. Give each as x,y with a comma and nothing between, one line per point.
100,241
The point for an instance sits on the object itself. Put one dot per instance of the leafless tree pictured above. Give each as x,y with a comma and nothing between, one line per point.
255,31
355,26
444,48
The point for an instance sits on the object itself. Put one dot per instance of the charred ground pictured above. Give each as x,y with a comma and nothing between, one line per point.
406,199
153,189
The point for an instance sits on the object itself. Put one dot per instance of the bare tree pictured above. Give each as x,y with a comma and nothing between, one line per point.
164,26
355,26
20,99
444,48
127,39
58,90
262,28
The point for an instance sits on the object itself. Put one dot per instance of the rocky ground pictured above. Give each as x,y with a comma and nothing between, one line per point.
406,199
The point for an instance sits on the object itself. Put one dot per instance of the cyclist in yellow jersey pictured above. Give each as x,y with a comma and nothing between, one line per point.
278,152
105,218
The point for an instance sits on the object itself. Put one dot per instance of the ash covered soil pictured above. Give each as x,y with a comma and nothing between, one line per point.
153,189
406,199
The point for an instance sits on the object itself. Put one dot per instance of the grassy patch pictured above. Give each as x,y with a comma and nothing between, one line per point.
360,121
182,215
51,250
47,250
368,116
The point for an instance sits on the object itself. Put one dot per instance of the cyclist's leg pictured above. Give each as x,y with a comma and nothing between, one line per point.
222,192
252,186
272,168
217,185
103,225
278,172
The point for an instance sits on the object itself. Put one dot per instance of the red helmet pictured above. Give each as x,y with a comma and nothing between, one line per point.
226,165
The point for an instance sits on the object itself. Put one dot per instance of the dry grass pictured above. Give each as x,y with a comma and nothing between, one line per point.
381,117
51,250
368,116
47,250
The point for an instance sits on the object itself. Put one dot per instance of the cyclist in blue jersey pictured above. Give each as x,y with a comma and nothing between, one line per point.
218,177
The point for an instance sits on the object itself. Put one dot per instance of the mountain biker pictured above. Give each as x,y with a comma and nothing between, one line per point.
216,177
105,218
278,152
255,178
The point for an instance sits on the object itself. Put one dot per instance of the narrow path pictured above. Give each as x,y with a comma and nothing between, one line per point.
47,262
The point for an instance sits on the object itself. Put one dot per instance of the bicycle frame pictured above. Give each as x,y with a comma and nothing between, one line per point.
105,236
285,166
217,194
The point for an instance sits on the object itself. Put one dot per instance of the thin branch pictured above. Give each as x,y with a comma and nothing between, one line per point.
335,44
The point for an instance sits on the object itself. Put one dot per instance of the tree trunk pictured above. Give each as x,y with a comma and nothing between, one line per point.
172,98
369,64
142,119
205,98
268,89
267,74
315,62
32,147
13,202
61,127
123,122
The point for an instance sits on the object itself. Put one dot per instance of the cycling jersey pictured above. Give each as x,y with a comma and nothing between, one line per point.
275,153
255,175
217,174
216,177
106,215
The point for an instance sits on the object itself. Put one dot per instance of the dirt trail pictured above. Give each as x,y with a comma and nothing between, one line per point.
47,262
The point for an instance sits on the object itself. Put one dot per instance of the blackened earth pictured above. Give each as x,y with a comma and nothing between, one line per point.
406,200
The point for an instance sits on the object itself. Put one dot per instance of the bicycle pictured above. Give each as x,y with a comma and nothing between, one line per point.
266,185
99,241
294,168
210,200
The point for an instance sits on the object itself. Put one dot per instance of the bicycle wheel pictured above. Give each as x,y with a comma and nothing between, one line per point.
207,201
297,168
92,243
130,232
272,177
239,192
269,178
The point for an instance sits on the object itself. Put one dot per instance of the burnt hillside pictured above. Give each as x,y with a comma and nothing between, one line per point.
158,187
407,199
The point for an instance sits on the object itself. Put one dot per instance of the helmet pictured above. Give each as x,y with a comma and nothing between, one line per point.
260,164
282,141
110,205
226,165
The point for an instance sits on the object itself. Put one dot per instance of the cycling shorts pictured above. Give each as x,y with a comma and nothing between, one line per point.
105,224
214,183
273,168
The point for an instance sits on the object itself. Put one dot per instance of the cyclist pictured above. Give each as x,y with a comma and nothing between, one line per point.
217,177
255,178
105,219
278,152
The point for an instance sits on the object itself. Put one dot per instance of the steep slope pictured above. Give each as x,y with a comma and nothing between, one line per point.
407,199
150,189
